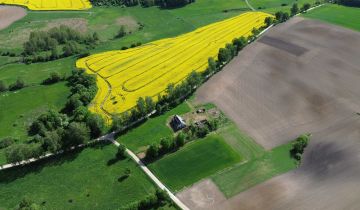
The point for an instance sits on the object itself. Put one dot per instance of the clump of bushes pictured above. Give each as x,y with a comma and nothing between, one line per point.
53,78
6,142
299,145
53,131
159,199
57,43
19,84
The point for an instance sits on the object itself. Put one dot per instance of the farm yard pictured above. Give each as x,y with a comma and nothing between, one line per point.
50,4
125,76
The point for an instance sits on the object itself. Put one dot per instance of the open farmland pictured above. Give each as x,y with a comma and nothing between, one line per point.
302,76
50,4
125,76
89,178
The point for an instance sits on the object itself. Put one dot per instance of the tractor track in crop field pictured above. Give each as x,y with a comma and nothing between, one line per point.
148,70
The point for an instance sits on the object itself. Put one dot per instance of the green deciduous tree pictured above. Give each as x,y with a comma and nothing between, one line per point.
305,7
76,134
294,9
269,21
121,152
152,152
121,33
96,124
150,104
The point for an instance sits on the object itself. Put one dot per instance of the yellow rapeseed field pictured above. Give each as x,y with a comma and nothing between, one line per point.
51,4
126,75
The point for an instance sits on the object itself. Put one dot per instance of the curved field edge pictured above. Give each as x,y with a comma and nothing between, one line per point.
50,5
90,178
133,73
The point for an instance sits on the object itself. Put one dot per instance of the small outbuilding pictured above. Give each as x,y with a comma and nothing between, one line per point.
177,123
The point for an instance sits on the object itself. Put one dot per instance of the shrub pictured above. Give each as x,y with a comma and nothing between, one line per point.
19,84
152,152
53,78
2,86
121,152
6,142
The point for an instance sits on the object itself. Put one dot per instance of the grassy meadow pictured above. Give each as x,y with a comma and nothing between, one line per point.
348,17
20,107
195,161
89,178
244,176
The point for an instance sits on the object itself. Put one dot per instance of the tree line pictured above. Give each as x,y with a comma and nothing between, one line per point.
143,3
57,43
156,200
350,3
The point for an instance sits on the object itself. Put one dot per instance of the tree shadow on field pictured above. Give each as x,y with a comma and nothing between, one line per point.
12,174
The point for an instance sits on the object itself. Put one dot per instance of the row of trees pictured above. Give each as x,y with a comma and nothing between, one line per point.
350,3
165,3
127,3
53,131
281,16
143,3
170,144
176,94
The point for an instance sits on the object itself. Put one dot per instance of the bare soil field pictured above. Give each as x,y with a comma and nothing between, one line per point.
9,14
302,76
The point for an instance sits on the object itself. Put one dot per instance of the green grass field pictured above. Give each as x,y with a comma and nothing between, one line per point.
340,15
197,160
255,171
158,23
19,108
85,177
151,131
37,72
272,6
